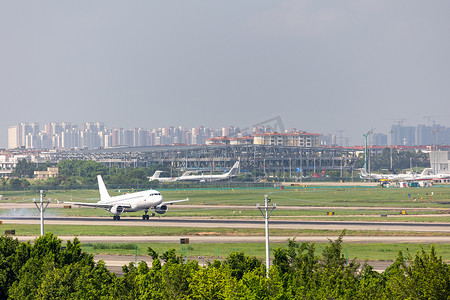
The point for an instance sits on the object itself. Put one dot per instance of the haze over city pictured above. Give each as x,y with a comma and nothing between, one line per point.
321,66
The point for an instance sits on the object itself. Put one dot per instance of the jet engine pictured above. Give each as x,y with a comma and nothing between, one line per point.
161,209
117,209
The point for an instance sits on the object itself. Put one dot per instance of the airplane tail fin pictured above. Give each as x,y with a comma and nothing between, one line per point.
187,173
156,175
363,173
234,170
104,196
426,171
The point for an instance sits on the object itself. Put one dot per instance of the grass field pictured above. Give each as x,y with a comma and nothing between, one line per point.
317,196
96,230
311,196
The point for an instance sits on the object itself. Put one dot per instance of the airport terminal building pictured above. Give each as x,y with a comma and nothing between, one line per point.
267,159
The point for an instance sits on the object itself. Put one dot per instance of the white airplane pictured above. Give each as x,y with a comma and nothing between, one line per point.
162,179
392,177
427,174
144,200
202,178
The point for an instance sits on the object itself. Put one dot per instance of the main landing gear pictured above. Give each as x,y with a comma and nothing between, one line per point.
146,216
116,218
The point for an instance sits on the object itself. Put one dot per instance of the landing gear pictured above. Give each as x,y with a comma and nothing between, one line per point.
116,218
145,216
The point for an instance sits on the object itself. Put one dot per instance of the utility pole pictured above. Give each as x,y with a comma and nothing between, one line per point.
42,209
435,132
390,148
365,150
266,216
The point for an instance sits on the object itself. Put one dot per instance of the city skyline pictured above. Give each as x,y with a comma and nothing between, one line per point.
90,135
339,136
327,66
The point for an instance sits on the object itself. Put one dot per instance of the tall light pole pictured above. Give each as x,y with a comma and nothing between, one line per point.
42,209
290,167
365,150
266,216
435,131
390,148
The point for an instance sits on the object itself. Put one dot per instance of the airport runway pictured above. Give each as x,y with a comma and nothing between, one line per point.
291,224
26,205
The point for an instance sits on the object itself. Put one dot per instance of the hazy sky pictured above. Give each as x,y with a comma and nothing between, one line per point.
322,66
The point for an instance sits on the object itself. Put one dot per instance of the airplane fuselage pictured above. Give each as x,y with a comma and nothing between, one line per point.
188,177
137,201
203,177
433,177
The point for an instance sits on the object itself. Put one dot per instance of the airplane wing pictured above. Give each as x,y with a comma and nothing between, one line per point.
98,205
174,201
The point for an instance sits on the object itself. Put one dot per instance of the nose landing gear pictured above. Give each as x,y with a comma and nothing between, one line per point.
116,218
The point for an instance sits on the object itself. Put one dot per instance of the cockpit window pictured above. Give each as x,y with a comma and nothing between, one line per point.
155,194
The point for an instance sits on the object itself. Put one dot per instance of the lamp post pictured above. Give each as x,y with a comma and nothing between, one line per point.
365,152
265,213
435,131
390,148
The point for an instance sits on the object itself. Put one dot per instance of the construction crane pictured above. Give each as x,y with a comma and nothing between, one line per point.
399,121
433,119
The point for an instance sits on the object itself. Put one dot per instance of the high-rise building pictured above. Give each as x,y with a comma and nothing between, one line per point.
403,135
378,139
13,137
424,135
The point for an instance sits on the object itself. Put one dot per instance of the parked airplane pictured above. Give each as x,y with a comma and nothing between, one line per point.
202,178
425,175
391,177
434,177
162,179
144,200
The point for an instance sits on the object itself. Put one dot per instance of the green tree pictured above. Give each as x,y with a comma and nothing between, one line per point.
48,270
239,263
209,283
8,248
17,182
424,277
24,169
85,171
